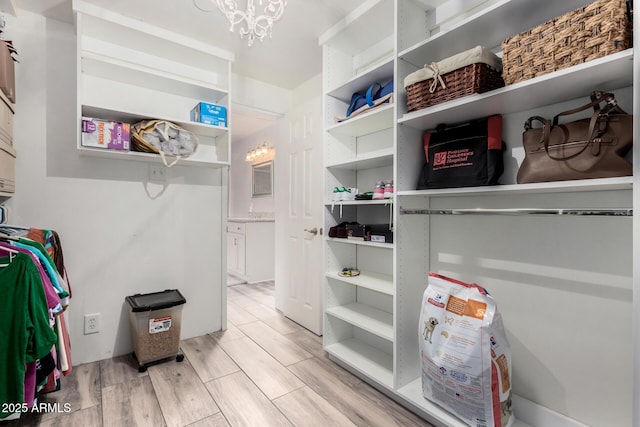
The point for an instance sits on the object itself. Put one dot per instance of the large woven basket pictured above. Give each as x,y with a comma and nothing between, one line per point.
596,30
473,78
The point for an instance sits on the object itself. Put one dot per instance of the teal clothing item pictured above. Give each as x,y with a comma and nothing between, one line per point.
24,325
38,246
46,260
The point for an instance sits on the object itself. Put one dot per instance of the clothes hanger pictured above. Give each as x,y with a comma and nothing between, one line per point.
4,236
15,229
11,252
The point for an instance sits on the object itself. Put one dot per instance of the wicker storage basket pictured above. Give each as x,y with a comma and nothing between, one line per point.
453,78
596,30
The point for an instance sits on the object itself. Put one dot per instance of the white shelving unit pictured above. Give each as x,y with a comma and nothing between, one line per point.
382,283
358,323
130,71
550,275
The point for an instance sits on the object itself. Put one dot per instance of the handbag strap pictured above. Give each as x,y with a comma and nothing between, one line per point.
597,124
597,98
546,126
546,132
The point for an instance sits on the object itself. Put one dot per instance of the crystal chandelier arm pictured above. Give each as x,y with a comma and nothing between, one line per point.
264,23
275,9
231,11
251,25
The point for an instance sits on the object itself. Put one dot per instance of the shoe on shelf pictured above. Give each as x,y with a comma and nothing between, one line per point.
365,196
382,95
337,194
349,193
357,102
378,191
388,189
349,272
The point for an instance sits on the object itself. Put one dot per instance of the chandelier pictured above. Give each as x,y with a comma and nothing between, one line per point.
258,153
252,26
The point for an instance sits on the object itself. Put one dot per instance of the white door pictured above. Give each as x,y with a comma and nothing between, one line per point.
298,196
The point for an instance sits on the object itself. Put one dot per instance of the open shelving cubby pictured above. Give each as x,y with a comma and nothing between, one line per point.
358,152
548,274
130,71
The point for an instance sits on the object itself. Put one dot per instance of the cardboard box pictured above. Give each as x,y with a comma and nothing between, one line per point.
380,233
106,134
7,168
210,114
7,73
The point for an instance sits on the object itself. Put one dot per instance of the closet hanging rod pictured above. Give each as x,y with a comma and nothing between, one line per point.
625,212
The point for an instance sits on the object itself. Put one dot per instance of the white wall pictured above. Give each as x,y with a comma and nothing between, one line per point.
120,234
261,98
240,200
259,95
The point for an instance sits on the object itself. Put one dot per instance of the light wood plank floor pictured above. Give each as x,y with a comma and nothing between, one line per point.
264,370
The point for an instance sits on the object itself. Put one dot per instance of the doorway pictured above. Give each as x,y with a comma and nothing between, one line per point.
296,204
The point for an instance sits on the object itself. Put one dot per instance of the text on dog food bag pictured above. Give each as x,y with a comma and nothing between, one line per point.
459,348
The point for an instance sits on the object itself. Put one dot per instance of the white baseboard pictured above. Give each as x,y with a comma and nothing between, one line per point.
536,415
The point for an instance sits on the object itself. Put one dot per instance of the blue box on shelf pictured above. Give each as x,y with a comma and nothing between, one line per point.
210,114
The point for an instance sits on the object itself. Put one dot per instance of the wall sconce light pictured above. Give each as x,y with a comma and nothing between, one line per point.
258,153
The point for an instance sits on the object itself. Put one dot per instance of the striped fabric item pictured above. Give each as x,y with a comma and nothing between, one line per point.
4,214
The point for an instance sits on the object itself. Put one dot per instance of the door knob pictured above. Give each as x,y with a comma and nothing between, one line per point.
313,231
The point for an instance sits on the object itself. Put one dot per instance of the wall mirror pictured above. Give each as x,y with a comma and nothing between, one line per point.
262,179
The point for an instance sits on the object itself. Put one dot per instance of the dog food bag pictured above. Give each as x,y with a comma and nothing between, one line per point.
466,360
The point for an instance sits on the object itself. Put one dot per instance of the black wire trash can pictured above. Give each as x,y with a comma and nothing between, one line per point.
155,320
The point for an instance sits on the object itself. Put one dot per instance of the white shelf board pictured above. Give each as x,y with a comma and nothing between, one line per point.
142,56
362,243
602,184
483,25
140,75
8,6
359,202
130,117
146,157
412,392
104,23
606,73
362,28
372,320
367,360
376,159
382,283
374,120
6,194
380,73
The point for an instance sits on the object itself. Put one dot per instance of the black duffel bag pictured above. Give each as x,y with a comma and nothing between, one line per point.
465,155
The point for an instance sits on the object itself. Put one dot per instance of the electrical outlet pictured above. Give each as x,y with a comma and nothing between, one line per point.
91,323
157,173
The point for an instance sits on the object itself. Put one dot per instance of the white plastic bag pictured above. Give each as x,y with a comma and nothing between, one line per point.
466,360
164,138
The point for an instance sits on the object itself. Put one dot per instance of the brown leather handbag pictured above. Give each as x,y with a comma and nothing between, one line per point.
594,147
